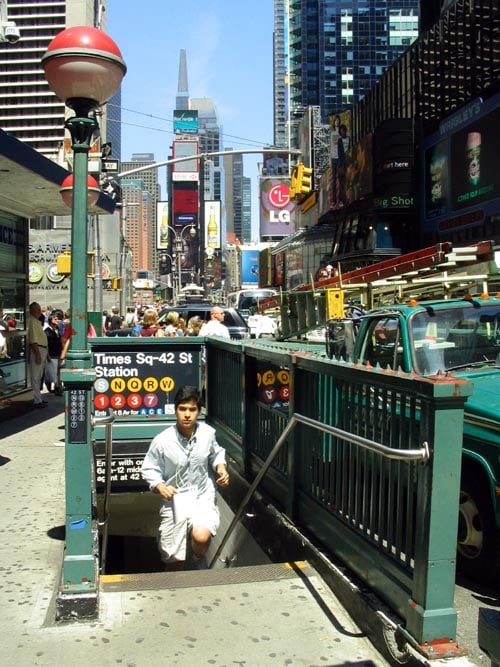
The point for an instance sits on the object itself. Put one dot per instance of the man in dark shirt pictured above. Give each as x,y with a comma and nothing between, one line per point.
116,319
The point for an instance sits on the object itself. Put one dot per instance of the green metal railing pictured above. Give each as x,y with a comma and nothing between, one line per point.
350,483
391,519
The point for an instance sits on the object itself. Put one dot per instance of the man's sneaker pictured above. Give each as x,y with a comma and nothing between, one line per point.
43,404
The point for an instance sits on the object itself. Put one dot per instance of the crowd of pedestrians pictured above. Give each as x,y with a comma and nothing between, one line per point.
144,322
49,334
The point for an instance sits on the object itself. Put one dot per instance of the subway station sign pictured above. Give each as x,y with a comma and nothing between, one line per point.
142,382
138,378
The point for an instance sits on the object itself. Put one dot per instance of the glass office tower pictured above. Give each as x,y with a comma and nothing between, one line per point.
338,49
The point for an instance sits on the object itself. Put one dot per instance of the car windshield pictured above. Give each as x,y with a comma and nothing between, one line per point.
455,337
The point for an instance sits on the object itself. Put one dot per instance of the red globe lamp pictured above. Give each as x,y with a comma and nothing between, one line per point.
66,191
84,67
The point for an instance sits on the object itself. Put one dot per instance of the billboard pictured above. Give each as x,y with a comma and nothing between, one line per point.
162,225
461,181
212,225
185,121
275,164
394,164
249,266
185,204
187,170
340,144
277,212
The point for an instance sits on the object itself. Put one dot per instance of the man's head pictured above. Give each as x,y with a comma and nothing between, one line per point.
35,309
217,314
187,403
187,393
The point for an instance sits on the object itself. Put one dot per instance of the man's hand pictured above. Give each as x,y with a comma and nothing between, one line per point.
222,475
165,491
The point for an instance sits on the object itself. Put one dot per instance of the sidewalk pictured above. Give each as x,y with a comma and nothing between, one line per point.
278,614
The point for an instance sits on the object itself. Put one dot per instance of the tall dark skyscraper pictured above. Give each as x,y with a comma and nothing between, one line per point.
330,53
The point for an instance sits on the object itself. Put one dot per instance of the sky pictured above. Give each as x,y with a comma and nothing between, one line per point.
229,55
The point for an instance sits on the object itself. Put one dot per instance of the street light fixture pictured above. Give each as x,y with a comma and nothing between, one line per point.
84,68
178,250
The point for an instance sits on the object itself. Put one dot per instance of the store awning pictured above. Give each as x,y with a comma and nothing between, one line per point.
30,182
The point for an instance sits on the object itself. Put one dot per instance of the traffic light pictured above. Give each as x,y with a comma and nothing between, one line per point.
305,179
294,182
117,283
300,181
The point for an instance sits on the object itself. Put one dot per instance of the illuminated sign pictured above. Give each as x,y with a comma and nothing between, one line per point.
277,212
461,183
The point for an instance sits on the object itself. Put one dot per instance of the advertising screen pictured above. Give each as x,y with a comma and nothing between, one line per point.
249,266
187,170
185,121
461,178
277,212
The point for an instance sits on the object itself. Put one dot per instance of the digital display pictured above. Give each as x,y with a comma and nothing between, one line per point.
461,178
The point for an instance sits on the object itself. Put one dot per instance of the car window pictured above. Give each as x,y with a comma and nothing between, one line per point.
229,320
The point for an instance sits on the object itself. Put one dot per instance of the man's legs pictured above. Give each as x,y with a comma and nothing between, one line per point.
37,375
200,540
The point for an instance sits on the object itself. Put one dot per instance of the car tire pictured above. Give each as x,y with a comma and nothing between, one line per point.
478,547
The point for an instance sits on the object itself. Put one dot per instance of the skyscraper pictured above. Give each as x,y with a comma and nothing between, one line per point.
280,73
28,108
210,136
139,222
338,49
233,170
140,193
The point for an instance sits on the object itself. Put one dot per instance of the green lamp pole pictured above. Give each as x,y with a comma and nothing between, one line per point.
83,67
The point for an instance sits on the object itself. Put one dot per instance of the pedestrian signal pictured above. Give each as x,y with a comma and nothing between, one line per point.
117,283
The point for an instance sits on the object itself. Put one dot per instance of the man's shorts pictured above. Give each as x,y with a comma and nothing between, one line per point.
172,538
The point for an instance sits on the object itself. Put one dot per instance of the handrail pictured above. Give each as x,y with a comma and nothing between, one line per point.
422,454
108,457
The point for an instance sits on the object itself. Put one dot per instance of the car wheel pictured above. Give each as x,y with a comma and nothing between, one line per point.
478,547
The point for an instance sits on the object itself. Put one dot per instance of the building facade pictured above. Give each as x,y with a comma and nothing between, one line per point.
421,166
140,230
28,108
337,51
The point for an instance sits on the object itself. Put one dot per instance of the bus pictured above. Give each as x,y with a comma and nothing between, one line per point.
144,279
246,301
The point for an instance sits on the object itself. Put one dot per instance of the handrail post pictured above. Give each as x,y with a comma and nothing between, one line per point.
108,458
431,612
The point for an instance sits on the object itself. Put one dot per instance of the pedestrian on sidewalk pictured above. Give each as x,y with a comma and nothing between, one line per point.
37,345
54,342
183,464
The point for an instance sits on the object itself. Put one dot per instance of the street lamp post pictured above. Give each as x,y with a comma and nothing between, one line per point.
84,68
178,248
166,280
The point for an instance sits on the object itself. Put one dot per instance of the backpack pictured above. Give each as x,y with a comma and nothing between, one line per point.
136,331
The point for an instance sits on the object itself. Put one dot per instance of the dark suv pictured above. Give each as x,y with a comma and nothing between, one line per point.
237,326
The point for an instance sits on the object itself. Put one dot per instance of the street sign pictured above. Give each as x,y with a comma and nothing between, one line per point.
110,165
